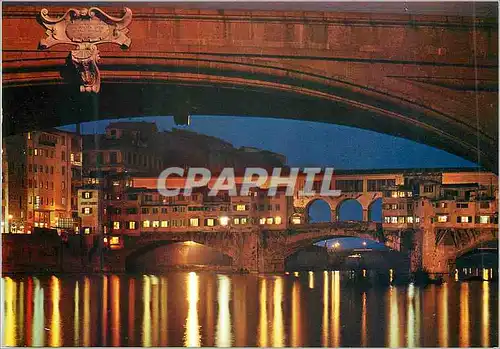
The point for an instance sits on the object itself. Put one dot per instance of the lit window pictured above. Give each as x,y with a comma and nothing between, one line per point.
131,225
36,151
87,210
86,231
442,219
156,224
401,220
464,219
116,225
114,240
240,208
116,183
72,157
296,220
210,222
194,222
443,205
409,194
236,221
401,194
164,224
269,220
409,219
243,220
277,220
224,221
387,219
417,219
262,221
146,224
394,220
87,195
394,194
29,135
484,219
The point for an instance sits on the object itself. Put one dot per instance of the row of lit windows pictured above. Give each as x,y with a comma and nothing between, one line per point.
398,194
38,200
401,219
398,206
464,219
193,222
41,152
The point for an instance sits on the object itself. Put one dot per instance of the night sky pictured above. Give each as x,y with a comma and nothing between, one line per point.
313,144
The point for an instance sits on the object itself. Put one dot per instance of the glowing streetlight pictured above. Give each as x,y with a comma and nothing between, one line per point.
364,243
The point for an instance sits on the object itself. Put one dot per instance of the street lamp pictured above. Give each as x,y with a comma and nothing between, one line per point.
364,243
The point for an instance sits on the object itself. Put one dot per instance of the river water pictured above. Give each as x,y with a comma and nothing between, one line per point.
214,309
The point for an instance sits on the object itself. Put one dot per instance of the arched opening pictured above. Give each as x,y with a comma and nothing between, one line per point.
347,253
349,210
484,255
319,211
375,211
168,255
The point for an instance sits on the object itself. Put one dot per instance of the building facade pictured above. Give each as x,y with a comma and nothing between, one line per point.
40,169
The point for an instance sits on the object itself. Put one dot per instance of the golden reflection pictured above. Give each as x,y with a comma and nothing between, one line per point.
9,325
363,319
464,339
155,306
486,274
38,334
311,279
324,337
76,316
223,336
456,274
21,312
296,318
485,335
393,318
29,312
146,315
163,312
335,309
55,323
104,329
192,336
263,313
411,318
391,275
131,312
86,312
240,307
210,313
278,328
115,310
296,274
443,329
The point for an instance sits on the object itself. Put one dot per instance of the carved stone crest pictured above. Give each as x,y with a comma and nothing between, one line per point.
86,28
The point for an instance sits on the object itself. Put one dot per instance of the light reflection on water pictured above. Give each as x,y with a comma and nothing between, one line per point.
208,309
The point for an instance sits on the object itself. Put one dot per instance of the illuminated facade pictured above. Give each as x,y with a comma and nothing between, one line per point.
40,172
130,210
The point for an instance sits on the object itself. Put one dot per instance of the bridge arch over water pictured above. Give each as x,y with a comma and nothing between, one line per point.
168,253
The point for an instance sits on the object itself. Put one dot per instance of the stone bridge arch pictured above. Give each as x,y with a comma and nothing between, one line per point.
142,250
320,232
286,64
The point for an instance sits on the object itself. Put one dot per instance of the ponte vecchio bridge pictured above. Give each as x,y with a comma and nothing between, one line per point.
432,78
